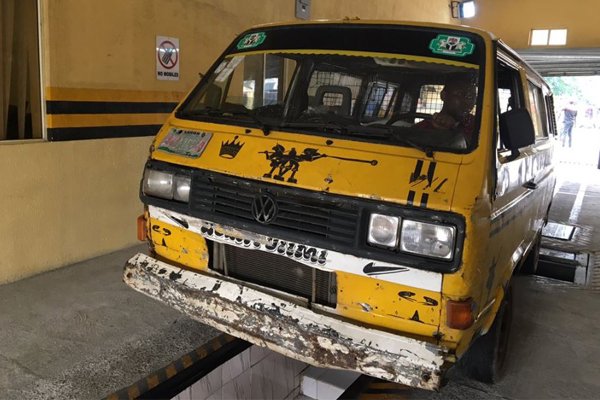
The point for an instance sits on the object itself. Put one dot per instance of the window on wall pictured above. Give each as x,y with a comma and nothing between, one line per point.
548,37
20,108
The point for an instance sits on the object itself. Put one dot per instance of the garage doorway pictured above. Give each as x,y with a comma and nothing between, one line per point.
577,107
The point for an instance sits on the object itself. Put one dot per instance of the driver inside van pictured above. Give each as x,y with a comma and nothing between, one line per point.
459,96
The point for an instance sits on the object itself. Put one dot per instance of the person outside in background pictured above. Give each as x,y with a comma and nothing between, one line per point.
569,115
459,97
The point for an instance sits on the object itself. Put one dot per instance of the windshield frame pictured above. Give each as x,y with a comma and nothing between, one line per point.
281,46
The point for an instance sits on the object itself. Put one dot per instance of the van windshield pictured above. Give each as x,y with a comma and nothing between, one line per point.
402,99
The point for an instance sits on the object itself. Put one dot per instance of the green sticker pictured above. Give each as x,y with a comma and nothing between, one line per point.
452,45
251,40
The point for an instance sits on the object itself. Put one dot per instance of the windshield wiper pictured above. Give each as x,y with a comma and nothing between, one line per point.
367,132
262,125
395,137
326,125
216,112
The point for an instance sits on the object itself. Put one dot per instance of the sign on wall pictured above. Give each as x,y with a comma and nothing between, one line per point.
167,58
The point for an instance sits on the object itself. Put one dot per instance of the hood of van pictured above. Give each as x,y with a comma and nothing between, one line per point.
373,171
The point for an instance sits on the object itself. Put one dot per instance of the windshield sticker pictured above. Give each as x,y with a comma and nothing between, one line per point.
290,162
185,143
230,149
228,69
251,40
458,46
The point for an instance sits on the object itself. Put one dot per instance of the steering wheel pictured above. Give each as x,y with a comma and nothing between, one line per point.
409,116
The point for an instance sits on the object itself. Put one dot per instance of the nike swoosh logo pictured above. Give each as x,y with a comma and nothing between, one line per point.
371,269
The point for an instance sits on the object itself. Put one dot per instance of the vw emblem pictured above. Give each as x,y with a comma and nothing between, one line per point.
264,208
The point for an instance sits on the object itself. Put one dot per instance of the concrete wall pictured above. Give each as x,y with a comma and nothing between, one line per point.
67,201
512,20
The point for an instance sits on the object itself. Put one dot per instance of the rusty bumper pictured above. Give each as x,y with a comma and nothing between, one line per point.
286,327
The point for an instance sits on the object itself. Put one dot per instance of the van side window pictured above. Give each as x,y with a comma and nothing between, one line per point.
509,93
550,114
538,111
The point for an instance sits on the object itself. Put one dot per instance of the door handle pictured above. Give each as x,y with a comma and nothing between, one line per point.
530,185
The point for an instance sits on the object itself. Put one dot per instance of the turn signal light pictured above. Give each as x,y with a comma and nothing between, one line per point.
459,314
142,231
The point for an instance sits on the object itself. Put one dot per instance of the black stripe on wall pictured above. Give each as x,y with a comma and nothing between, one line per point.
103,107
101,132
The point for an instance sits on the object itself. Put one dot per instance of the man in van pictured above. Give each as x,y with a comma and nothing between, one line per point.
459,96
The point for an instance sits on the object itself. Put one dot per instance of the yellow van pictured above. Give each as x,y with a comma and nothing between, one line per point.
354,195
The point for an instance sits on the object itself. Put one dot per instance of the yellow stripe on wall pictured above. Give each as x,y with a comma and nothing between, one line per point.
79,94
91,120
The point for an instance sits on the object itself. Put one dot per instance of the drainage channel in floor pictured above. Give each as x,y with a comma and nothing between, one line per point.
558,257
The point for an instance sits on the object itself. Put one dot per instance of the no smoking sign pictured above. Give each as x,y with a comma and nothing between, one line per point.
167,58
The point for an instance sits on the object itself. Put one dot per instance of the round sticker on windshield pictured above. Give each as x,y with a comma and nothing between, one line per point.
251,40
458,46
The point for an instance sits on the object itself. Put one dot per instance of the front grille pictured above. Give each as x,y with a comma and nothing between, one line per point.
280,273
232,198
328,221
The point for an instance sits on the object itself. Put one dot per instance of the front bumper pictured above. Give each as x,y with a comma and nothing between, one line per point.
287,328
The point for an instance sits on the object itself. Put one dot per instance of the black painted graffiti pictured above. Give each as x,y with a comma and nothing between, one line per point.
410,296
230,149
371,269
417,177
282,163
161,230
180,221
415,317
291,250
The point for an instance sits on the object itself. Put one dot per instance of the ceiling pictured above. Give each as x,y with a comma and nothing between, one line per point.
563,62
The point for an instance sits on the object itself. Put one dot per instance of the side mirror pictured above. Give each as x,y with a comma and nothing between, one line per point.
516,129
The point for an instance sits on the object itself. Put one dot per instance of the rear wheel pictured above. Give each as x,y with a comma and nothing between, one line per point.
485,359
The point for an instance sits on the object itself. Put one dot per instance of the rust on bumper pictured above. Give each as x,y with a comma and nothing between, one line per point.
287,328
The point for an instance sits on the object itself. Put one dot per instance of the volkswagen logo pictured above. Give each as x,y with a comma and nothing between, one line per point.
264,208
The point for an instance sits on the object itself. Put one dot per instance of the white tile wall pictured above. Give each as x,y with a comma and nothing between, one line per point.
322,384
257,373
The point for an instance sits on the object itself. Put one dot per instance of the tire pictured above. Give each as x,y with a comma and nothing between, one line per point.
485,359
530,264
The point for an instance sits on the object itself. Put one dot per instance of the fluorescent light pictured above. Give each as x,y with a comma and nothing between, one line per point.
558,37
539,37
467,9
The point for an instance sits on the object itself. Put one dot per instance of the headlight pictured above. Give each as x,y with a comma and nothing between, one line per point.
182,188
428,239
383,230
158,183
166,185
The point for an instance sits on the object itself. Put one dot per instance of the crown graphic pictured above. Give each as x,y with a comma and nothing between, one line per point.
230,149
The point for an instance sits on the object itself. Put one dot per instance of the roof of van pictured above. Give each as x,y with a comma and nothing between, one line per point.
357,21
